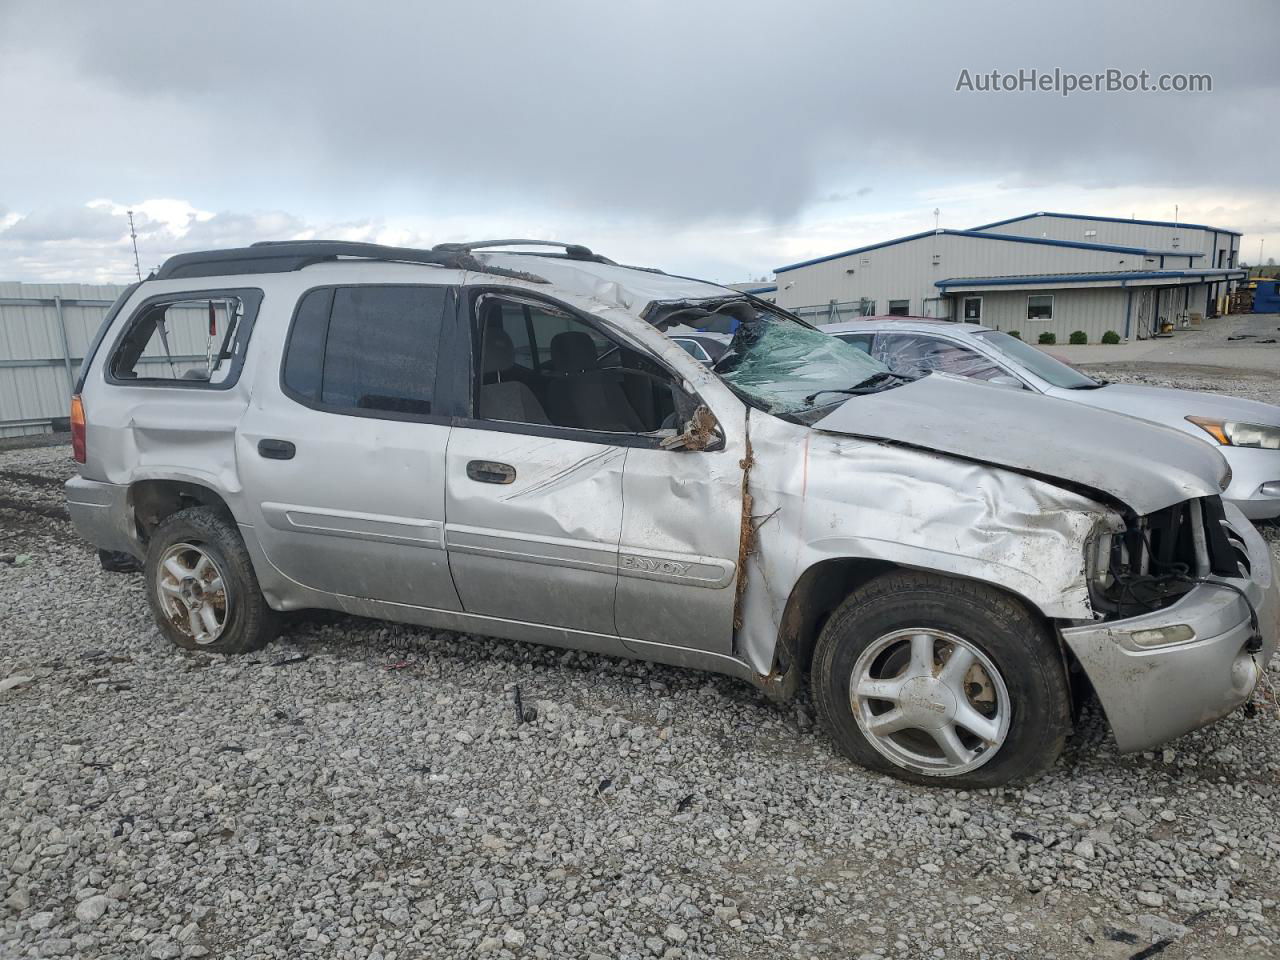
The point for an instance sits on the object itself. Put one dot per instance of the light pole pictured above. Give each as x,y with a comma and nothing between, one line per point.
133,235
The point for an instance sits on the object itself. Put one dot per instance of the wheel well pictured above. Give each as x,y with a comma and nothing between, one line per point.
817,593
155,500
825,585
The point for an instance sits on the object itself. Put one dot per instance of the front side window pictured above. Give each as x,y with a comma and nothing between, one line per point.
860,340
1040,306
568,374
693,349
367,350
917,354
193,341
899,308
1037,361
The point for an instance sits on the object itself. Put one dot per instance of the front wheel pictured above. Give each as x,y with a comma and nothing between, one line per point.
943,682
201,586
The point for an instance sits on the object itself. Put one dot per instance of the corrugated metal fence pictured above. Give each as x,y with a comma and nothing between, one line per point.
45,329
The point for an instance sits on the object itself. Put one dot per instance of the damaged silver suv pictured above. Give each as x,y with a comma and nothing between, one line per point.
503,438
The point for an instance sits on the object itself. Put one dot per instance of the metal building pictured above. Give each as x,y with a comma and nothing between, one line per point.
45,329
1044,272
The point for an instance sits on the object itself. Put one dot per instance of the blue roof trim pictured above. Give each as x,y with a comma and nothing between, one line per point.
758,290
1006,237
1085,216
1080,277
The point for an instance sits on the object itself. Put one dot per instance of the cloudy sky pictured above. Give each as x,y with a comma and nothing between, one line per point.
716,138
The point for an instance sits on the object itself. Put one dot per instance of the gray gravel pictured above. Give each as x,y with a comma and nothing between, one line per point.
360,789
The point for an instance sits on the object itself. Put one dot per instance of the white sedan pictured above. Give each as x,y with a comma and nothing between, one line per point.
1246,432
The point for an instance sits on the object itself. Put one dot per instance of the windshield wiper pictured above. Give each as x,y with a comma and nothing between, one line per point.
870,385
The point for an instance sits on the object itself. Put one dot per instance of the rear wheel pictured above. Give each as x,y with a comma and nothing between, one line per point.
201,586
941,681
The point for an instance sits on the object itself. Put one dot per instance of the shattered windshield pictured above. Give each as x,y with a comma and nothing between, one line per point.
778,363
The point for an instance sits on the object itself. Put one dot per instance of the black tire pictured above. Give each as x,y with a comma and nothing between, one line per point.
999,626
248,623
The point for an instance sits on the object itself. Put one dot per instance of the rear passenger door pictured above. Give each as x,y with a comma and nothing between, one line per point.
342,451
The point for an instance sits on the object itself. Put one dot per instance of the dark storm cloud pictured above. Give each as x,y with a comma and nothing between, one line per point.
666,111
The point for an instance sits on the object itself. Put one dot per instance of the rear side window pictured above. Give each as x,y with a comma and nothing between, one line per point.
190,340
367,350
860,340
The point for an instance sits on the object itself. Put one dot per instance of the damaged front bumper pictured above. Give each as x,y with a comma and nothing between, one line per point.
1152,694
103,515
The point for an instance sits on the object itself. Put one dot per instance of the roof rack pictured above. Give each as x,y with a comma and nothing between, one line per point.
573,251
285,256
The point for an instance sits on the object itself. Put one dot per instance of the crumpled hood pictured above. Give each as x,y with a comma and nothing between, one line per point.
1142,464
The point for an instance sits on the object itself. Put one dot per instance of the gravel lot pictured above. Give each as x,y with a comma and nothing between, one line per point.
360,789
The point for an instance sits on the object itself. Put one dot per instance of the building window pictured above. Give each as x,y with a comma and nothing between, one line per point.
899,308
972,309
1040,306
1090,234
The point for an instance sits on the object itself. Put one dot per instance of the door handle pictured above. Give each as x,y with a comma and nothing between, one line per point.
490,471
276,449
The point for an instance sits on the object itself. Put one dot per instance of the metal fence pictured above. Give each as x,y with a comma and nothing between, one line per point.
45,329
834,311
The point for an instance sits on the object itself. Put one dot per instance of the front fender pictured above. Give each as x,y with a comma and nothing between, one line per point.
848,498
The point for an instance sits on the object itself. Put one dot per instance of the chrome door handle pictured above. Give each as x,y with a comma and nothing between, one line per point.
490,471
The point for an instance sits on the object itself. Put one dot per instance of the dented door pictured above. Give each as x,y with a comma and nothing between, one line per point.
677,564
532,526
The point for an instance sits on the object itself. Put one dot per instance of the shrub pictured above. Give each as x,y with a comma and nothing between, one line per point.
1047,337
1111,337
1078,337
1016,334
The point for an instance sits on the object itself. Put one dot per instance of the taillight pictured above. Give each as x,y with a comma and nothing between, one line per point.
77,429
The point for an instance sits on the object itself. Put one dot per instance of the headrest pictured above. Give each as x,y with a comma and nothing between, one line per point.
499,352
573,351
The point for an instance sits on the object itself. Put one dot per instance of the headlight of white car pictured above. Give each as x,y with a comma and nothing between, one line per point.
1233,433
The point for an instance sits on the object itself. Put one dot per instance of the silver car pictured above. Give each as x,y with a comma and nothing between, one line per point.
508,442
1246,432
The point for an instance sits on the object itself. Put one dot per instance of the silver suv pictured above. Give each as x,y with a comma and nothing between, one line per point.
507,439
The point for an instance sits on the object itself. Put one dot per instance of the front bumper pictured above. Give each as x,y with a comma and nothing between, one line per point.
103,514
1152,695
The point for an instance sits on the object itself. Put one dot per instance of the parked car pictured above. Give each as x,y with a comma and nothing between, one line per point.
508,442
706,348
1246,432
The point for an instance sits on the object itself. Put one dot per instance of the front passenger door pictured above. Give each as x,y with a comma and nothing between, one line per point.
534,500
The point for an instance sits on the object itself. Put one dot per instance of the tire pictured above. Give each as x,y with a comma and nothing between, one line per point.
239,619
1008,683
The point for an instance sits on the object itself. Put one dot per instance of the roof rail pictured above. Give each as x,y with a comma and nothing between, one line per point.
574,251
285,256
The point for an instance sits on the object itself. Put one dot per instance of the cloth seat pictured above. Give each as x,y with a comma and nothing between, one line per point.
505,399
584,395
